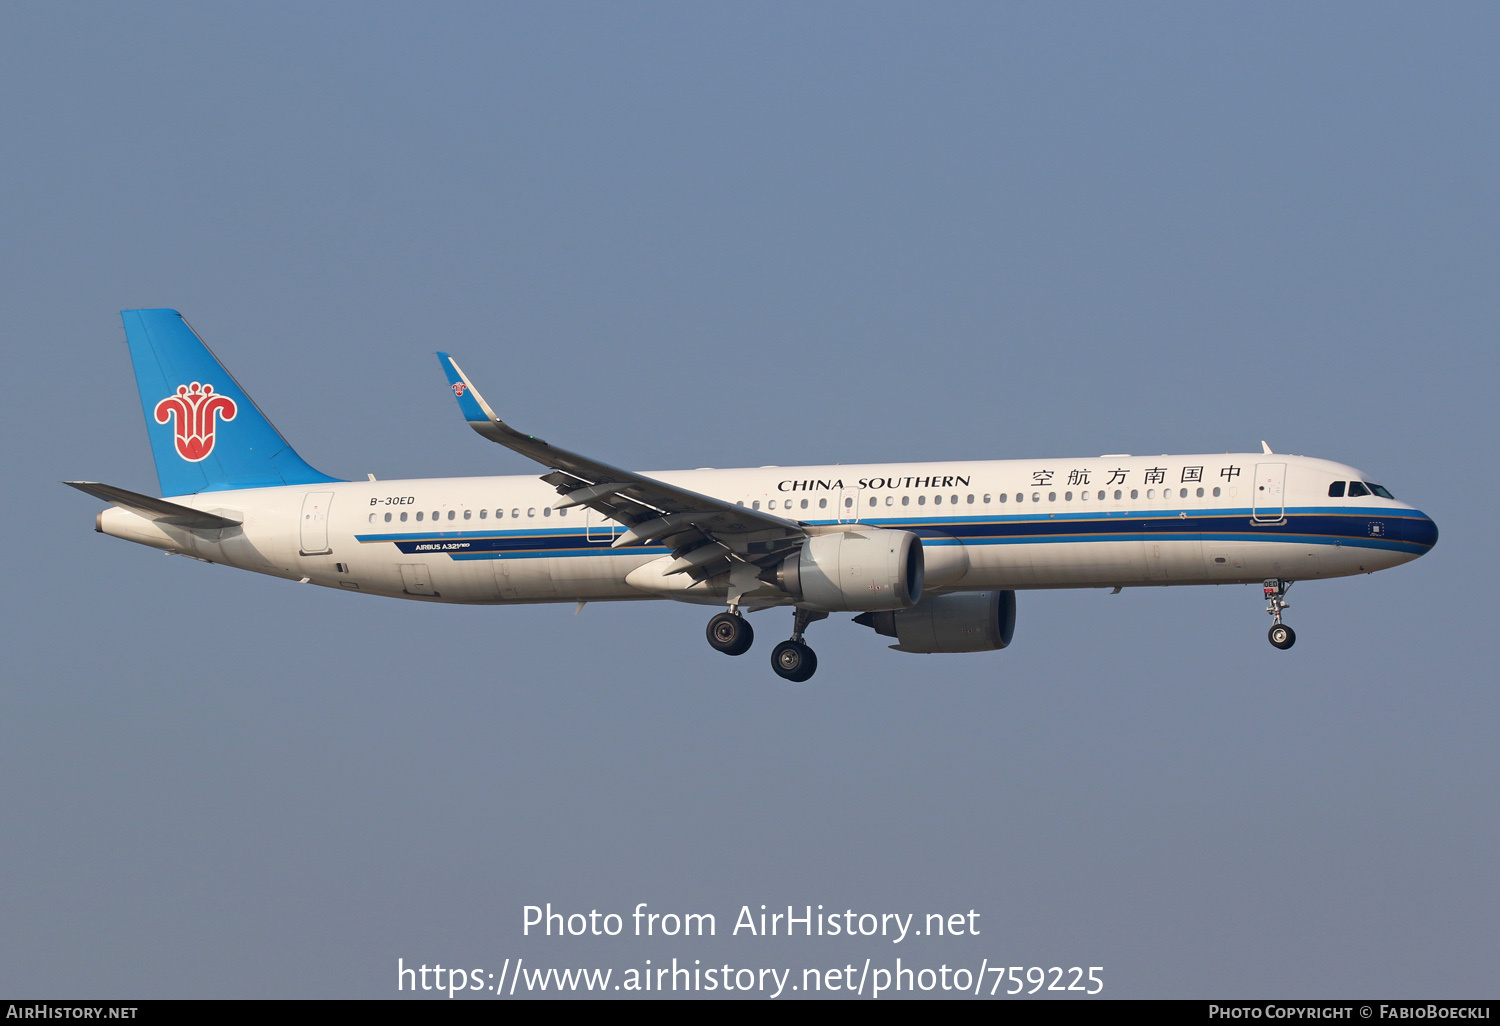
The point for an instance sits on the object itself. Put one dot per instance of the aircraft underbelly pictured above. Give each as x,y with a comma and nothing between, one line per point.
595,576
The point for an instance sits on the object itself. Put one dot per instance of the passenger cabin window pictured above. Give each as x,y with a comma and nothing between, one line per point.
453,514
468,514
822,503
1336,490
483,514
388,518
419,515
1357,488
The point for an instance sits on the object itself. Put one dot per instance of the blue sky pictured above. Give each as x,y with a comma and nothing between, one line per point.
676,236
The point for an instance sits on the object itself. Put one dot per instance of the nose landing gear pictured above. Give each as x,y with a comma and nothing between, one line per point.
1280,635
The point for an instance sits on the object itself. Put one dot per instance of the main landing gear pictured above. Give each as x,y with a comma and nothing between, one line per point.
1281,635
731,633
793,660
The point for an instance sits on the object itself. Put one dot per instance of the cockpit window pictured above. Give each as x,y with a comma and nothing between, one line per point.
1356,489
1336,490
1380,490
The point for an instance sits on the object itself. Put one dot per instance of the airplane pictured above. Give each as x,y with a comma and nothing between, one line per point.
930,554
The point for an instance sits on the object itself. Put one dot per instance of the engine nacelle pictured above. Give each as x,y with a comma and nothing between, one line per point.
965,621
855,570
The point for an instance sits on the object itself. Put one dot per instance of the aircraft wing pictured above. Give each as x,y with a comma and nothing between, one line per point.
655,512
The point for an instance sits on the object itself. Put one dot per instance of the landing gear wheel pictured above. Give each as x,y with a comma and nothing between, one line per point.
794,661
730,633
1282,636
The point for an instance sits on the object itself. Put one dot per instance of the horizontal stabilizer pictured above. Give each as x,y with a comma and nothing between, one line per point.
159,510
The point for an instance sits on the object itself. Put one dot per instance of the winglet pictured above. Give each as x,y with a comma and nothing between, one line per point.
478,413
470,402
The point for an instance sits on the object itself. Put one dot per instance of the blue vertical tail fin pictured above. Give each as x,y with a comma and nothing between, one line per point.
206,434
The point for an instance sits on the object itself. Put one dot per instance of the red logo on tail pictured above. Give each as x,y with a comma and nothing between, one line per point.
458,388
193,408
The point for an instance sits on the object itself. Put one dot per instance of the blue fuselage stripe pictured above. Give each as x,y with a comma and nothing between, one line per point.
1403,531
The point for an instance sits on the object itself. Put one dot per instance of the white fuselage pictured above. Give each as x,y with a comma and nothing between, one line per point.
1116,521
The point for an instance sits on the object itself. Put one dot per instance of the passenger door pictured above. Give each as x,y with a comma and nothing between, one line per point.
1268,505
315,506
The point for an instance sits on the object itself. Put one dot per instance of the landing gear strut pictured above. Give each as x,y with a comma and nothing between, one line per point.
1281,635
730,633
793,660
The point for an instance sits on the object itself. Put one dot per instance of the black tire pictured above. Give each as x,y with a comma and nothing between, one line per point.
731,634
1282,636
794,661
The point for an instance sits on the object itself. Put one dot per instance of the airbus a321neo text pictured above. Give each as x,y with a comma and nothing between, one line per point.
929,554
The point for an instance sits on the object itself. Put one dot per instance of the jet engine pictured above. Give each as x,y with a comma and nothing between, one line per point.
966,621
855,570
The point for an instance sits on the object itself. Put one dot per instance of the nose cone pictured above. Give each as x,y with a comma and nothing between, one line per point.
1422,531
